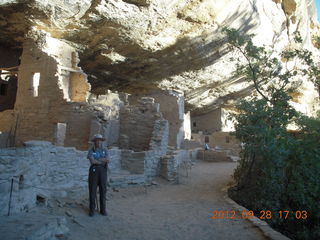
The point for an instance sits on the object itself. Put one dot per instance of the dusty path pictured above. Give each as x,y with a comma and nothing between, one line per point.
166,211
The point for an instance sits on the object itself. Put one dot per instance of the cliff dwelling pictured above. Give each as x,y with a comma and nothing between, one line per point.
155,83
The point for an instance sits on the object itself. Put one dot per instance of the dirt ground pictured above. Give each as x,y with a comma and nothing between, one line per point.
163,211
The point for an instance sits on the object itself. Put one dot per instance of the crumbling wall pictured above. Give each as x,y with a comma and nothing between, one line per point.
172,108
42,169
109,104
177,163
158,146
137,123
39,169
52,95
148,162
42,99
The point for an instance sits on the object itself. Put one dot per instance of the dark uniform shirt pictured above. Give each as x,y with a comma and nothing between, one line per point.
98,153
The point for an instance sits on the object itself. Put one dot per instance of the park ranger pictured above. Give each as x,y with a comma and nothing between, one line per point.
99,159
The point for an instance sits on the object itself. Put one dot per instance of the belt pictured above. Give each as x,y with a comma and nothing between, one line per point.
99,165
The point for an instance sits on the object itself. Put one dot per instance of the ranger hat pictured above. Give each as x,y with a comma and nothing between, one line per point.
97,137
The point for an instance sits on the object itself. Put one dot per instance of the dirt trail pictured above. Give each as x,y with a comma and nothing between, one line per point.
165,211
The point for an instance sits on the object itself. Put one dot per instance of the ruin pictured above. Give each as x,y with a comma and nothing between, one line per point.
55,116
156,80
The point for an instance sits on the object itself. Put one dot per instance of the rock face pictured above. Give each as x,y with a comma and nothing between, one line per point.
132,45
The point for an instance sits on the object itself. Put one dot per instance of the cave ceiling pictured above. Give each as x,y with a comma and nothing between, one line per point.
138,45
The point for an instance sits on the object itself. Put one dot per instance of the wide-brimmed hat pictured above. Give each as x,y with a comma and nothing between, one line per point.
98,137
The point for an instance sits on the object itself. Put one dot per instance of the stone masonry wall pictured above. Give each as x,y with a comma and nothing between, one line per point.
172,108
137,123
158,146
42,169
51,102
207,123
39,109
39,169
174,163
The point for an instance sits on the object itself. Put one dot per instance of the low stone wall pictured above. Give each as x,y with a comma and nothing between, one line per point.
171,163
41,170
215,155
191,144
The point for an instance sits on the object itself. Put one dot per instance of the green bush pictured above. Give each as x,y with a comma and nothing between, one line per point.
278,170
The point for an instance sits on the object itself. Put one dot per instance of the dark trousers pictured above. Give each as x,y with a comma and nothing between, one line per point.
97,177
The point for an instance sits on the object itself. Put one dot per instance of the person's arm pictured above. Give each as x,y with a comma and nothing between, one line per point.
93,161
106,158
91,158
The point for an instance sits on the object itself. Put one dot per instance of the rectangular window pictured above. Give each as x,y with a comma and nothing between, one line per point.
61,129
194,124
206,139
35,84
3,89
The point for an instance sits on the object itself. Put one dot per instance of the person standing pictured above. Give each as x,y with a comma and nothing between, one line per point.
99,159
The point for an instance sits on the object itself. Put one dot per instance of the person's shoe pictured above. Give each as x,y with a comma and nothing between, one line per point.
91,214
104,213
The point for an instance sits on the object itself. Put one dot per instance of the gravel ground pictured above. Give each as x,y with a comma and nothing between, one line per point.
163,211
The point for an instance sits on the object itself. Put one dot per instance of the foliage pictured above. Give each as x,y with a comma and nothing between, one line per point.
316,41
278,170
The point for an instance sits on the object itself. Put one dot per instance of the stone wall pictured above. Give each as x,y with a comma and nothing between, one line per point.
148,162
172,108
173,164
219,141
159,147
43,99
39,169
192,144
213,155
52,96
43,170
137,123
207,123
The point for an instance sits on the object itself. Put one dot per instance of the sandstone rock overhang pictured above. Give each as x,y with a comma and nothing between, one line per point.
136,45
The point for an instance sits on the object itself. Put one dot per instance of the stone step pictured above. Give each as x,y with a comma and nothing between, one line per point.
33,226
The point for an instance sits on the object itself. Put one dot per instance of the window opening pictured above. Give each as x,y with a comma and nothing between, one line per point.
35,84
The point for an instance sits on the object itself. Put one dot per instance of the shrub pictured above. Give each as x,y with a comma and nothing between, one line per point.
278,171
